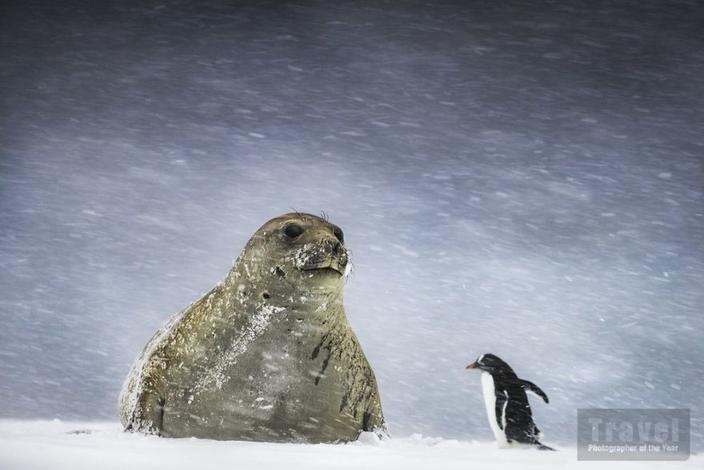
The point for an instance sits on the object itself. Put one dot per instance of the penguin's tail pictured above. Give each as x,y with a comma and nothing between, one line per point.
542,446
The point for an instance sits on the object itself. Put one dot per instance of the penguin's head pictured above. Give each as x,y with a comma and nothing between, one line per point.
489,363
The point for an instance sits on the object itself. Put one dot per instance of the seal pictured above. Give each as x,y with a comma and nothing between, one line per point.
266,355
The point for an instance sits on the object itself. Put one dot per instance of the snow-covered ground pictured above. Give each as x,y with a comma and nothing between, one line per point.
79,445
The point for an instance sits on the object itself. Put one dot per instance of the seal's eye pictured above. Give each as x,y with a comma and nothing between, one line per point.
338,234
293,230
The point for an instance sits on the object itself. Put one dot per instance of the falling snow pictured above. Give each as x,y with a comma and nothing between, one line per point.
522,178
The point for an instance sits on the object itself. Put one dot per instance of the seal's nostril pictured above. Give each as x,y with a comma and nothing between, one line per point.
339,234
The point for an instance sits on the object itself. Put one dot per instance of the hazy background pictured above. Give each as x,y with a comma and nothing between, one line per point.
521,178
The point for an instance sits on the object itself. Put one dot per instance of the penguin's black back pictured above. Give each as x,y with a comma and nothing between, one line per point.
520,426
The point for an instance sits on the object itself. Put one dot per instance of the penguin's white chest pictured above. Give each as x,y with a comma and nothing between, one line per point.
490,403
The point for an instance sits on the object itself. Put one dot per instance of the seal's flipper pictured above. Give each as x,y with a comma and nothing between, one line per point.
147,415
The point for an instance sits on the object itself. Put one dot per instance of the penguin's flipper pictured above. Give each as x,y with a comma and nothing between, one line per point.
500,408
531,387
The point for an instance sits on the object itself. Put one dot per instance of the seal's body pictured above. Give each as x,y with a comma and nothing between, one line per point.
267,355
507,406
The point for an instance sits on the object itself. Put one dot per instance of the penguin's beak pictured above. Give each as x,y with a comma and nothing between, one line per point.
472,366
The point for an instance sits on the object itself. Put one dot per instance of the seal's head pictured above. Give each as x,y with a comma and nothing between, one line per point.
301,250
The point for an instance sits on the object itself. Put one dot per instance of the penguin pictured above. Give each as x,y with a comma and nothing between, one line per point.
507,403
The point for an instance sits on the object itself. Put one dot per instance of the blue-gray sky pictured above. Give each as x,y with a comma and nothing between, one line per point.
522,178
